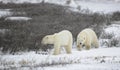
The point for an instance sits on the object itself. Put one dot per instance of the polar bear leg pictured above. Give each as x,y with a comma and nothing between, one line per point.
79,47
96,44
56,49
88,46
68,49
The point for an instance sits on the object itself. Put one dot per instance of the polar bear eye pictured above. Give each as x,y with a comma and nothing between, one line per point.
80,43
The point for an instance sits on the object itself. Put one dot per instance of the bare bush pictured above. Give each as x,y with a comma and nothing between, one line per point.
107,35
114,42
110,40
115,16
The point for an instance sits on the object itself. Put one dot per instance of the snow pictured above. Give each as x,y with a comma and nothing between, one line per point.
73,4
85,67
60,2
111,35
100,6
20,1
101,0
2,31
113,29
18,18
85,59
5,12
103,6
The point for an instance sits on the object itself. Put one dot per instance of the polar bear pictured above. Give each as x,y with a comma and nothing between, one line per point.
63,38
87,38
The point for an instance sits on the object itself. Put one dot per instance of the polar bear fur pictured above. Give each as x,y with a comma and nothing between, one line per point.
63,38
87,38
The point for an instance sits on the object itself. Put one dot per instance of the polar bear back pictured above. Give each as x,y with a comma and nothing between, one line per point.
89,32
64,37
90,36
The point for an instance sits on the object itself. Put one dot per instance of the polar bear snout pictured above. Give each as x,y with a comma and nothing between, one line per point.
43,42
83,45
80,43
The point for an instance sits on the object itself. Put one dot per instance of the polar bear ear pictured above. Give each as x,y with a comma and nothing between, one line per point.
46,36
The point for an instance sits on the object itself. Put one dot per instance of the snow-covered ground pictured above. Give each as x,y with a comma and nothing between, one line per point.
94,59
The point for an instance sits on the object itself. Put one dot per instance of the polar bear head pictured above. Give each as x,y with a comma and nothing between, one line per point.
48,39
81,41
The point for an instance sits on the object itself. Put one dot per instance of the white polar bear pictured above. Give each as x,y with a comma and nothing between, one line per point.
63,38
87,38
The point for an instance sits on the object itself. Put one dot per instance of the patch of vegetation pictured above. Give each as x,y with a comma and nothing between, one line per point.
110,40
115,16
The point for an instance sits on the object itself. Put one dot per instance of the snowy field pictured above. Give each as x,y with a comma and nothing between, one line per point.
94,59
